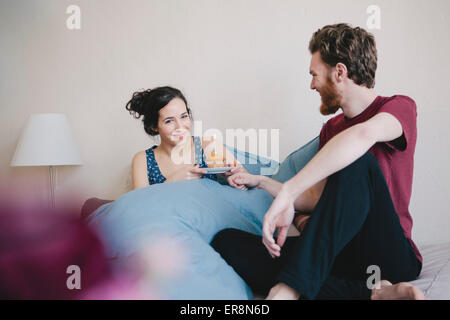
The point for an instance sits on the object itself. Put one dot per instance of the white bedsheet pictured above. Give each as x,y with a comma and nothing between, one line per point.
434,279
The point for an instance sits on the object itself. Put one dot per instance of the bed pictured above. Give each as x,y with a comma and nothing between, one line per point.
434,280
190,213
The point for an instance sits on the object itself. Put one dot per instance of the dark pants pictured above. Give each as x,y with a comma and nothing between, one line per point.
353,226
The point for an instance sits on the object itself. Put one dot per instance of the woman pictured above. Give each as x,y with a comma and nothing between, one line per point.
179,156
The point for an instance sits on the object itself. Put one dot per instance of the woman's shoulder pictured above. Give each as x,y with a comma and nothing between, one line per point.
139,170
141,156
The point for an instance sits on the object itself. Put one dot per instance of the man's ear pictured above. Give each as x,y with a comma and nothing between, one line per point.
341,72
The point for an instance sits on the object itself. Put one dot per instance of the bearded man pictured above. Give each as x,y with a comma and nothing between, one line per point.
357,188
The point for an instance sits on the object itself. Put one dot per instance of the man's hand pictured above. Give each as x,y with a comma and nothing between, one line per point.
279,216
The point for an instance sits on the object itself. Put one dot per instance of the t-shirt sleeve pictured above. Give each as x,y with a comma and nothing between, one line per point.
405,111
323,136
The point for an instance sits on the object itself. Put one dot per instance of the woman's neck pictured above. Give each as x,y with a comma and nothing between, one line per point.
166,148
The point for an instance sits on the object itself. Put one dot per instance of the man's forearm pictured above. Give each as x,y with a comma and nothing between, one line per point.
338,153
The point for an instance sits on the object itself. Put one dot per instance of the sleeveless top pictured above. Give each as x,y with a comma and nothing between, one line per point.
154,173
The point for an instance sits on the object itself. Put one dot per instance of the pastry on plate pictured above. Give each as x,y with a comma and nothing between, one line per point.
215,160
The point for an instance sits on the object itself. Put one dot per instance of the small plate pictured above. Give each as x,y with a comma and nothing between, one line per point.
218,170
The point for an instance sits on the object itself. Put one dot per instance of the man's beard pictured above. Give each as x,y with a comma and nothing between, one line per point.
331,99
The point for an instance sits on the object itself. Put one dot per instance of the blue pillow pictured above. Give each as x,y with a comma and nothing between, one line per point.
296,161
255,164
293,163
190,213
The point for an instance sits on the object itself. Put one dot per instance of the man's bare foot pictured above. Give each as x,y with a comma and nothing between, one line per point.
398,291
282,291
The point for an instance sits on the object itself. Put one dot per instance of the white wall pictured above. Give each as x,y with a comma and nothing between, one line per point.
241,64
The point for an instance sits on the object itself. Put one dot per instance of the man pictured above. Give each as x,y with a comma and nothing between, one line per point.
358,187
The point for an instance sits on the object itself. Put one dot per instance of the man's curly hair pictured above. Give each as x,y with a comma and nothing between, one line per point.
354,47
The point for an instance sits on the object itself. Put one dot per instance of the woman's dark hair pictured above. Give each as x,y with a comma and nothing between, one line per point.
147,103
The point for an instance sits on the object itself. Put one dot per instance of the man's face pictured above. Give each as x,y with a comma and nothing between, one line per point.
323,83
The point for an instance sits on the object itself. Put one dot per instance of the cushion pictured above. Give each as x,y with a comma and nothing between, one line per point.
90,205
296,161
189,214
293,163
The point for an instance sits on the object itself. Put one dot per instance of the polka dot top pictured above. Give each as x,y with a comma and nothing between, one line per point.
154,173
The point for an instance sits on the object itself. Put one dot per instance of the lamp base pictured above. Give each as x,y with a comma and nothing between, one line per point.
52,188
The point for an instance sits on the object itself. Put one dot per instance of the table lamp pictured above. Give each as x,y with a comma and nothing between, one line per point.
47,141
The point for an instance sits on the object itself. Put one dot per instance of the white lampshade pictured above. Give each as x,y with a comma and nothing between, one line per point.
47,141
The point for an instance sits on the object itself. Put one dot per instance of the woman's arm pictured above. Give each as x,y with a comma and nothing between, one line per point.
186,172
305,202
270,185
256,181
139,170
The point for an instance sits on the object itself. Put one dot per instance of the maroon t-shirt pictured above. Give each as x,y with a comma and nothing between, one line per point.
396,158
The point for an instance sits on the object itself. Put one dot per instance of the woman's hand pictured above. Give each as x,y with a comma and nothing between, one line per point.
244,180
237,168
279,216
187,173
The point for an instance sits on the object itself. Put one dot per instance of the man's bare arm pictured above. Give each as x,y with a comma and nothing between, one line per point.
307,186
343,149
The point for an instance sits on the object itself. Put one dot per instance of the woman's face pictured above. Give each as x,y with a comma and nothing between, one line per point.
174,123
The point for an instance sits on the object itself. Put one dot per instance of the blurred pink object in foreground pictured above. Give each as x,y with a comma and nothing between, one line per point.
37,247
